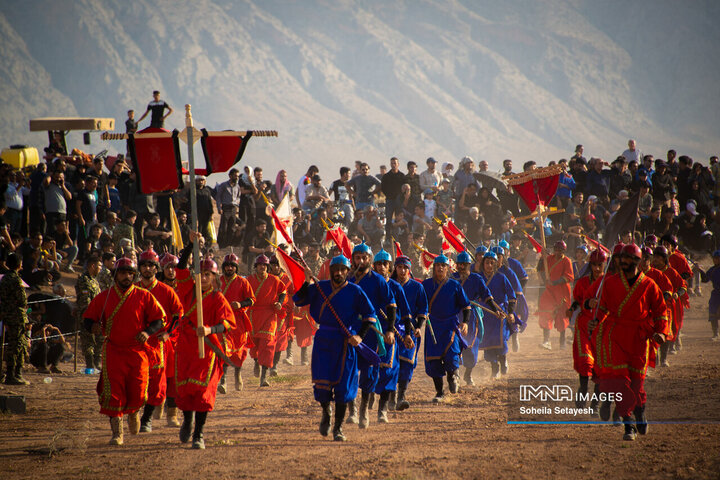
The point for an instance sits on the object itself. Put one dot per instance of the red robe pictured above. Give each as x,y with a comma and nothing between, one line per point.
237,289
122,387
305,326
286,325
263,317
583,360
555,300
171,342
197,378
681,302
168,299
324,272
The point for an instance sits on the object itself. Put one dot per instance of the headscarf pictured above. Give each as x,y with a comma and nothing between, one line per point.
281,189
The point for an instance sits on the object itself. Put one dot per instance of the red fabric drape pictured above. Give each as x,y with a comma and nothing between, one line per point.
221,153
156,161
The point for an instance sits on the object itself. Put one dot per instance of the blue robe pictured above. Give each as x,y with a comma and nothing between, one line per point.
497,330
390,362
517,267
334,364
476,291
444,356
522,311
418,304
378,291
713,275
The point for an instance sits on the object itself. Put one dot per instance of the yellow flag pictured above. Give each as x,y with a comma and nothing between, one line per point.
175,226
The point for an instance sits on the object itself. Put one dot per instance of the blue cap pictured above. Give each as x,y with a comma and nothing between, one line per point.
490,255
441,260
362,248
497,251
403,260
480,250
716,253
340,260
504,244
463,257
583,248
382,256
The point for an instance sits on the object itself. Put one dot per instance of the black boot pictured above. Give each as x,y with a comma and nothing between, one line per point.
663,354
617,420
630,431
222,388
392,401
186,427
364,419
340,408
452,382
562,339
640,420
263,379
595,401
276,359
605,411
89,360
353,415
18,372
714,325
256,369
325,421
468,376
582,391
146,419
402,404
198,441
439,394
383,407
495,373
503,361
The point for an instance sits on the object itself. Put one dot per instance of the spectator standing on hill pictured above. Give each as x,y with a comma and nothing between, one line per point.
157,107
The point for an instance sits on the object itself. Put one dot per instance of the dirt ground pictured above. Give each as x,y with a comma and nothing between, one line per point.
273,432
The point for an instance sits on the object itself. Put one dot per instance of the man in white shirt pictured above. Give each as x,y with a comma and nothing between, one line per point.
430,178
304,182
632,153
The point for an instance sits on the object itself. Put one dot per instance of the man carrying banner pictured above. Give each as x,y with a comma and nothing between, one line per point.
556,298
381,298
155,346
239,294
633,314
269,298
447,300
127,316
344,314
417,301
197,378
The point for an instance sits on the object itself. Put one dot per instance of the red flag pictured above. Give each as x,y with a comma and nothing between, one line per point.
536,187
221,153
427,258
398,252
338,236
538,248
280,226
453,240
597,245
295,271
156,161
455,230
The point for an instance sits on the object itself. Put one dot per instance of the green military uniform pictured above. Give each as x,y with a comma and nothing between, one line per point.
13,314
86,289
123,230
105,278
314,264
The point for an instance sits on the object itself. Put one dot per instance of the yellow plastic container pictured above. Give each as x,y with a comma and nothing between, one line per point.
20,157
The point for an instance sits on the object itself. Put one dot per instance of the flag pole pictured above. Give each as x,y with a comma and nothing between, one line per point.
194,227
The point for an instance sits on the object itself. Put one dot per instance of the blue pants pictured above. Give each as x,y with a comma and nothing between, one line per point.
443,357
334,367
389,369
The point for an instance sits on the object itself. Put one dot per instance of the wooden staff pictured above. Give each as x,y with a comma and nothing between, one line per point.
550,212
124,136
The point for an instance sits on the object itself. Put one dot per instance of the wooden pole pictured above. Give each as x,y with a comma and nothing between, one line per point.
194,227
544,245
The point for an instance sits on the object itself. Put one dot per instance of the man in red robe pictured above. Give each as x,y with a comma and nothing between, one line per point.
584,295
126,316
633,314
647,266
286,325
197,378
556,298
149,263
239,294
269,298
681,265
168,264
677,303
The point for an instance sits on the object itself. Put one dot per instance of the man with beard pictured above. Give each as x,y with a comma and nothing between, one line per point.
149,263
239,293
334,357
583,300
269,298
417,302
389,363
285,327
498,325
633,314
127,316
381,298
474,287
447,300
555,299
197,378
676,304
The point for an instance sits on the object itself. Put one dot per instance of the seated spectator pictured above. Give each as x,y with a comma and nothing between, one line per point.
48,349
64,245
161,237
420,223
35,263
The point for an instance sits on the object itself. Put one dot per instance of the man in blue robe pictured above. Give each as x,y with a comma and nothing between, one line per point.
378,291
418,304
713,275
522,311
497,327
344,315
447,300
514,264
401,330
476,291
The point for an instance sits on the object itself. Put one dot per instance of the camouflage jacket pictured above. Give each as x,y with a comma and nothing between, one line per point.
123,230
314,264
104,279
14,300
86,288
